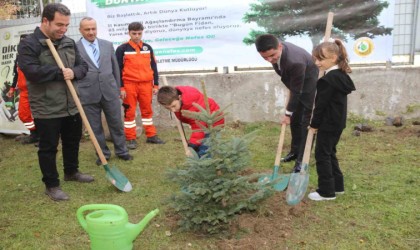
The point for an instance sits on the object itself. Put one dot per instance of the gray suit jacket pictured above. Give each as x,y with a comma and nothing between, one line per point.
299,73
103,82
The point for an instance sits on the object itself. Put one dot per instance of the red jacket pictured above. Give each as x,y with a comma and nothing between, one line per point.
192,95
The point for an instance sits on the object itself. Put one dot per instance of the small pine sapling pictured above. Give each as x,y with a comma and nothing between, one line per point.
213,188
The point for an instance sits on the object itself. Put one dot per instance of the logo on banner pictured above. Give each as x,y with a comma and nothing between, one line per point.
7,35
363,46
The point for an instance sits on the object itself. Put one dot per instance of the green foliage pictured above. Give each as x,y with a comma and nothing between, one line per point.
412,108
212,189
353,118
380,113
297,18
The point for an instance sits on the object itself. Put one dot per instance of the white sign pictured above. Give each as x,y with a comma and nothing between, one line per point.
183,34
9,120
196,34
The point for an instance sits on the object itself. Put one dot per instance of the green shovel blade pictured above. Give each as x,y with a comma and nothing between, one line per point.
280,181
298,184
117,178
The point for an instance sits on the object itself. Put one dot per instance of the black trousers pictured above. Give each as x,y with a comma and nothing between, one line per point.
299,123
330,177
69,129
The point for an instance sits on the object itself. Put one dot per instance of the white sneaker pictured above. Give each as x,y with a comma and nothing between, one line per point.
339,193
316,197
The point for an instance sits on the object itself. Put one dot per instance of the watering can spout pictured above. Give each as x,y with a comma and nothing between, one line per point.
135,229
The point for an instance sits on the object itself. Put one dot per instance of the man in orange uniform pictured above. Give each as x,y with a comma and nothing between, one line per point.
25,114
139,78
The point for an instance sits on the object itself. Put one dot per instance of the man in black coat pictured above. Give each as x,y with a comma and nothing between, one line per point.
299,74
55,113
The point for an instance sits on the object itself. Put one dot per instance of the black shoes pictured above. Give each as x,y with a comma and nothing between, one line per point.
132,144
289,157
126,157
78,177
56,194
33,138
154,140
297,167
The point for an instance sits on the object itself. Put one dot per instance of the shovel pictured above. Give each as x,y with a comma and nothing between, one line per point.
283,179
298,182
113,174
180,128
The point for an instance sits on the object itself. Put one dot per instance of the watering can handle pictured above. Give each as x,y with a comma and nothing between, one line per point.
82,209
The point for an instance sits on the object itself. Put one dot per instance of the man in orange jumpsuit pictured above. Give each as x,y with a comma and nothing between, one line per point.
25,114
139,78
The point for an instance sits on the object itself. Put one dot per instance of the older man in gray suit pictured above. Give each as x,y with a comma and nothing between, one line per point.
100,89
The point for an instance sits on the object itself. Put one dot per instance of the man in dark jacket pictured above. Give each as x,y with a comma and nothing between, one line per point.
54,110
299,74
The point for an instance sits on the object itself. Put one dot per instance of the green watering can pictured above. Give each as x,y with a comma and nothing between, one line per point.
108,226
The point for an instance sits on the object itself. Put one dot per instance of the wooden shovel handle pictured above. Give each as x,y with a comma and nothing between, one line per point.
280,146
308,146
329,26
182,134
179,125
327,34
78,104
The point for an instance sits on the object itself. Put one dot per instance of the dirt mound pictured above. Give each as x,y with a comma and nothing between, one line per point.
267,228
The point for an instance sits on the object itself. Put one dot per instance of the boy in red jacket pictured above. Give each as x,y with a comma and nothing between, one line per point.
181,98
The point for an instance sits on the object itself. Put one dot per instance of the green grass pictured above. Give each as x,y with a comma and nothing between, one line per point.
378,211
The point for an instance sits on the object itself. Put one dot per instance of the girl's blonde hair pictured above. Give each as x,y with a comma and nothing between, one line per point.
327,49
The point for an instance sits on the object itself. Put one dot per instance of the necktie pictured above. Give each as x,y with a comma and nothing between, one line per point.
95,52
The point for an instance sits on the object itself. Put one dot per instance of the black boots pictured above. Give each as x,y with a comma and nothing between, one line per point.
78,177
56,194
289,157
32,138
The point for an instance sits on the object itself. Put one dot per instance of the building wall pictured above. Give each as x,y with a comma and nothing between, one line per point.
261,96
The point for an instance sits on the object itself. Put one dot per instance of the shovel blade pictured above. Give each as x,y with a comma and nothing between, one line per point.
282,182
298,184
270,177
117,178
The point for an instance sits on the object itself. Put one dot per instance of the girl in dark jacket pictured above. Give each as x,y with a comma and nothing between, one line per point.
329,116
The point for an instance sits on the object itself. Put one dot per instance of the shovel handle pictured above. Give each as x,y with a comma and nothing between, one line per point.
182,134
78,104
280,146
329,26
308,146
327,34
179,126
